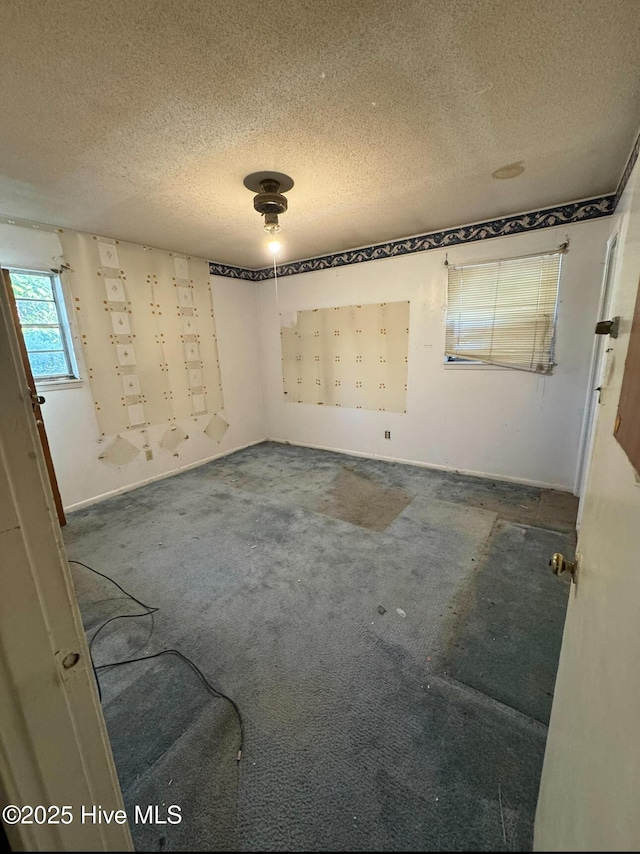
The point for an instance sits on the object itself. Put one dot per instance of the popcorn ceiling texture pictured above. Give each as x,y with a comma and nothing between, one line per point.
140,120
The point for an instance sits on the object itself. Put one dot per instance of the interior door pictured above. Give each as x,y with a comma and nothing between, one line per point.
36,401
590,786
54,748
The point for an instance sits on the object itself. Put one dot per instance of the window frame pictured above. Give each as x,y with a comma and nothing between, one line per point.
72,378
461,363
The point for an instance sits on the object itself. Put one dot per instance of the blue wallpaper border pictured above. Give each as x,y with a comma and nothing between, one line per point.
516,224
628,169
547,218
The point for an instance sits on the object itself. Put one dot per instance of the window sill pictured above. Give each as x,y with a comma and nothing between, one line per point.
52,385
473,366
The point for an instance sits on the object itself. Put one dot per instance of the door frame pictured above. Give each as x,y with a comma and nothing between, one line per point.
595,376
54,747
36,399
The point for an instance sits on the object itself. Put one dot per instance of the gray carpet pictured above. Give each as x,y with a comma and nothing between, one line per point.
422,727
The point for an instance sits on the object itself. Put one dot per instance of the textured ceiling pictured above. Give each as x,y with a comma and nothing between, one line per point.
139,119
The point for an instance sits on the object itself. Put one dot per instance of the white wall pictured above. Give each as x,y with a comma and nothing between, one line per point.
493,422
590,787
502,423
69,414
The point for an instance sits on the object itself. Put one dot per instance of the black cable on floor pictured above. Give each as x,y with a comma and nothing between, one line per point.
148,613
210,688
108,578
95,676
150,610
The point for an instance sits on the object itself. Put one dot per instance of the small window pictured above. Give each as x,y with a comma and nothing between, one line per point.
44,323
504,312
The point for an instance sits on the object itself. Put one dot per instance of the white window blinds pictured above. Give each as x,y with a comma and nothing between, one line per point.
503,312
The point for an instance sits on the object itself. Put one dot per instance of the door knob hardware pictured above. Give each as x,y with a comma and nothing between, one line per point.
559,565
36,399
608,327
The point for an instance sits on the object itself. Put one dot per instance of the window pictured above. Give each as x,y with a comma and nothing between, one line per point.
44,324
503,312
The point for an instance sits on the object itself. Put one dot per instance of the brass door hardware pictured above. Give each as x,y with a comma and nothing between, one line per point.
559,564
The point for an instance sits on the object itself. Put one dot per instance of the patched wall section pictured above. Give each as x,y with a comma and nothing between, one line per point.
148,334
352,356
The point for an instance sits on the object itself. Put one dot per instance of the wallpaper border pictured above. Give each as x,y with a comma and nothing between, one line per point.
516,224
628,169
566,214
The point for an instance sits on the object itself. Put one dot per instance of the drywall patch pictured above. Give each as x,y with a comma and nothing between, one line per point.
119,452
108,255
189,326
181,266
288,319
126,354
131,385
172,438
354,356
115,290
198,403
185,298
120,323
136,414
216,428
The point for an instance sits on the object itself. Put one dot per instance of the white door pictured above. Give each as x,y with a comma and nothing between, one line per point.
54,750
590,788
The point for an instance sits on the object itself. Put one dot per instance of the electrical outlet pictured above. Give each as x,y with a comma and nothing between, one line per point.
149,454
387,434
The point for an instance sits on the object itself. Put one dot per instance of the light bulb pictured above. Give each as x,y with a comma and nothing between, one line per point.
274,246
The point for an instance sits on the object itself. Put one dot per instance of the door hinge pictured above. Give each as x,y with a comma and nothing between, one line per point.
608,327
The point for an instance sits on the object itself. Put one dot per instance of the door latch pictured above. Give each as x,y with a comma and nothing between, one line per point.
559,565
608,327
36,399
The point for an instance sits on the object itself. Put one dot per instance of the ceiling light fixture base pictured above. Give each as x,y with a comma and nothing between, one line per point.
269,201
254,181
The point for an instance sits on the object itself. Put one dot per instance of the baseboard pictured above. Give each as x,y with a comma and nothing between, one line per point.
80,505
436,466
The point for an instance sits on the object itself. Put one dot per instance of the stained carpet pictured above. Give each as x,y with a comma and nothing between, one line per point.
419,728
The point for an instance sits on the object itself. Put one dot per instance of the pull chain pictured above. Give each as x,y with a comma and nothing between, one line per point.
275,277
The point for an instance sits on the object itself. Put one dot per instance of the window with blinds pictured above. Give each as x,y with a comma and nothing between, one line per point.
503,312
